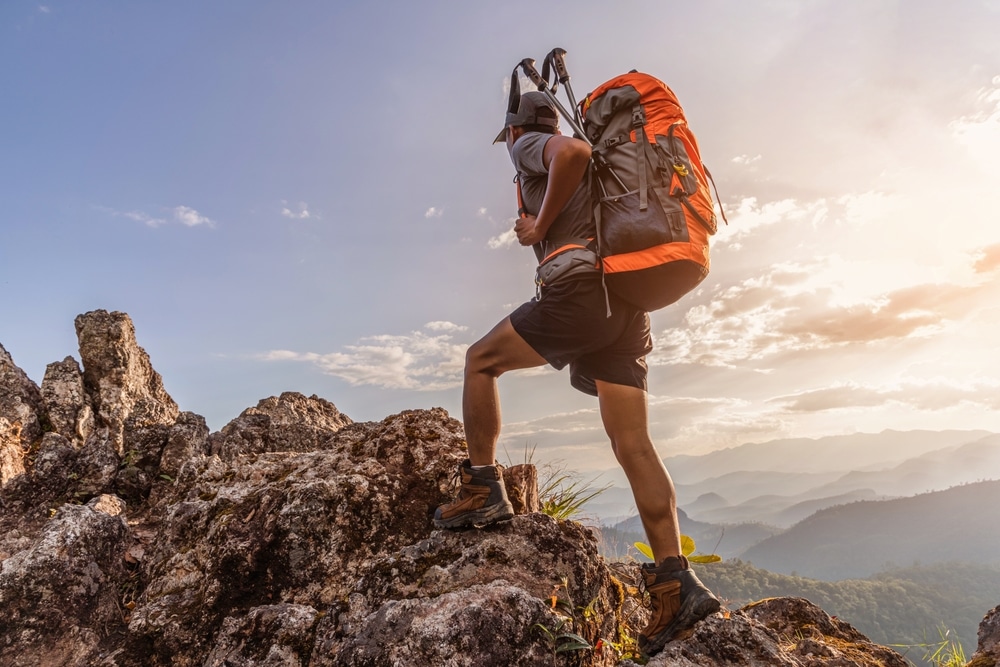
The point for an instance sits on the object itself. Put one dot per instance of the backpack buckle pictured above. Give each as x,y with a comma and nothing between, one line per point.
638,116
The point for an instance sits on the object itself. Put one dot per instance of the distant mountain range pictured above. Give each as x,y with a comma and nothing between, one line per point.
854,540
833,508
862,538
782,482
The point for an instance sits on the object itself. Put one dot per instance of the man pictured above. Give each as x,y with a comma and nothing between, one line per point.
569,324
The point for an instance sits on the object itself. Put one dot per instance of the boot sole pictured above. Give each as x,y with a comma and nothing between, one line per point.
478,518
683,624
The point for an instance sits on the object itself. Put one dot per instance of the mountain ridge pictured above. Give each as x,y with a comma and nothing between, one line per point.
861,538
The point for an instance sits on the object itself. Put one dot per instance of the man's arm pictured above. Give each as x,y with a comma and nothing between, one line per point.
566,160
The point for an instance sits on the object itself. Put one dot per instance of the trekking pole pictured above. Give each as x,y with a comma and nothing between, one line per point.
557,58
528,67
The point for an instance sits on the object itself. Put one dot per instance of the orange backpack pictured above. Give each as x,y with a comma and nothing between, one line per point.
654,210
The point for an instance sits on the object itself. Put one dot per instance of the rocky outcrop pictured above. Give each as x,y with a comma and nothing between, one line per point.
20,417
66,402
289,423
131,536
127,393
988,651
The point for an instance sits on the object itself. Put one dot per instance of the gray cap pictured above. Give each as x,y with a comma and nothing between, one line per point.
527,113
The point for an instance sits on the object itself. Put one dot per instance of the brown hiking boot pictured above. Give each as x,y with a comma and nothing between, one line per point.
678,601
482,499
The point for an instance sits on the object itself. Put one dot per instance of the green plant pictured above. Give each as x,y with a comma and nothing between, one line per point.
687,549
947,652
627,646
561,640
563,495
560,637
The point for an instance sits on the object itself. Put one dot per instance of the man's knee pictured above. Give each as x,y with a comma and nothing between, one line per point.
499,351
478,356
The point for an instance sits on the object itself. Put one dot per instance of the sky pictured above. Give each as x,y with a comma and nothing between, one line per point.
303,196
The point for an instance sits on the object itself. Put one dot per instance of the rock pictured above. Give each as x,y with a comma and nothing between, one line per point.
20,403
11,451
289,527
69,408
818,638
297,537
187,440
126,392
988,651
493,625
287,423
480,586
61,595
521,482
281,634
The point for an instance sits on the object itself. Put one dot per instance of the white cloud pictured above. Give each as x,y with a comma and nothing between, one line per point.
144,218
417,361
445,326
184,215
505,240
746,159
44,9
191,218
928,395
979,133
783,310
433,212
301,214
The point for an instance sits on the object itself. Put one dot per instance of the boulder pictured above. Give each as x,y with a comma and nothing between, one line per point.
61,595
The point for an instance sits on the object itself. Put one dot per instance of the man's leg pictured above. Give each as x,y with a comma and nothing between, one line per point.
678,600
482,497
624,413
499,351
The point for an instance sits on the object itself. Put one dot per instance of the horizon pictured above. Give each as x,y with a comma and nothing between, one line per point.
280,200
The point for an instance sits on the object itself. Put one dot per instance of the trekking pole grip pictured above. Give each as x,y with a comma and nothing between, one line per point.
559,62
528,67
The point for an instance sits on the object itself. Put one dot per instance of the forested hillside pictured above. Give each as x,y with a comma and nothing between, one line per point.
904,606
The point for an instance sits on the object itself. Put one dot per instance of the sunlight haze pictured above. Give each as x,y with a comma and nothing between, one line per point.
304,197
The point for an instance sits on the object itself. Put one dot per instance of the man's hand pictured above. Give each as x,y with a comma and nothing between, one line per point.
527,230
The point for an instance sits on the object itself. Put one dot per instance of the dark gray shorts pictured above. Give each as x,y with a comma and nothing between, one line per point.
569,325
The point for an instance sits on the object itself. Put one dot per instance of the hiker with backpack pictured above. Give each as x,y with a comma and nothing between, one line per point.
575,321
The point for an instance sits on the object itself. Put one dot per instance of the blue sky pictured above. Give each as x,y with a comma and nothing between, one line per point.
302,196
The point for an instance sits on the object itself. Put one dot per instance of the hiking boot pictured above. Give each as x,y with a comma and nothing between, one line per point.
482,499
678,601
